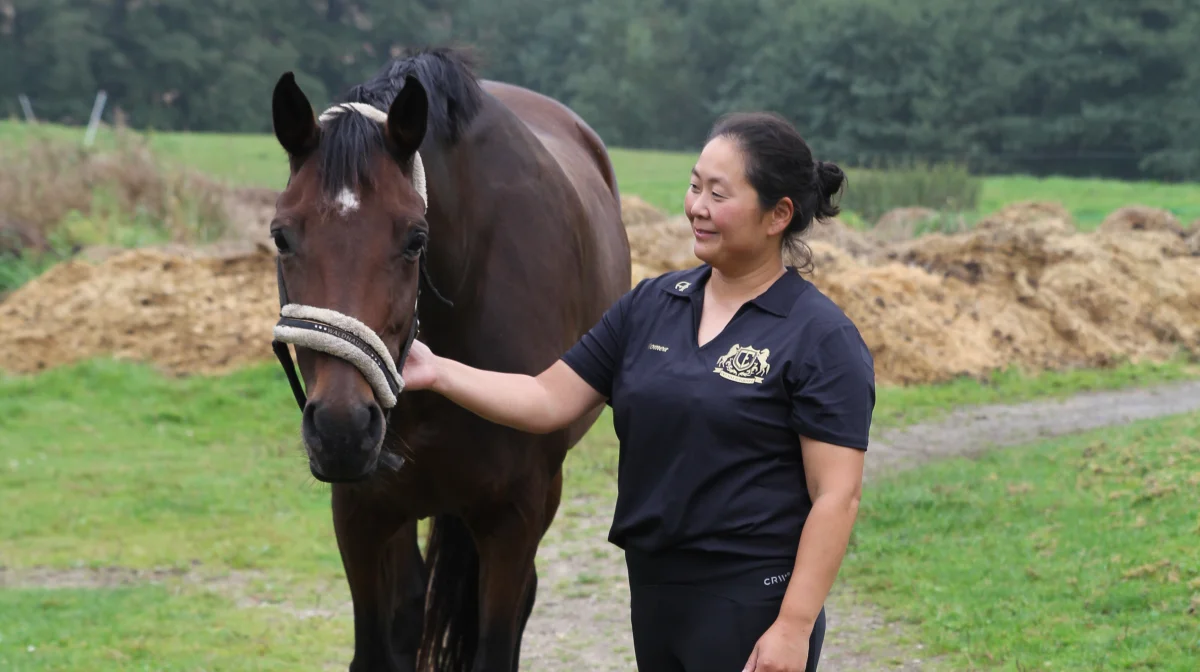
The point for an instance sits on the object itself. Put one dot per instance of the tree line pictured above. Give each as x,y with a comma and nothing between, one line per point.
1107,87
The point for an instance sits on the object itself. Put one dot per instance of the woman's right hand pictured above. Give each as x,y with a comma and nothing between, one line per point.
537,404
420,370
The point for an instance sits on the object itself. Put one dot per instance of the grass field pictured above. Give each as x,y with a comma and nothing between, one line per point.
1075,554
109,465
659,177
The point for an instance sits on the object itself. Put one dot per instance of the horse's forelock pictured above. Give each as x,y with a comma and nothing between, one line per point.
348,143
350,140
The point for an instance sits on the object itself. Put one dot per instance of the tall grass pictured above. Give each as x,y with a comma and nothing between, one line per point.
57,197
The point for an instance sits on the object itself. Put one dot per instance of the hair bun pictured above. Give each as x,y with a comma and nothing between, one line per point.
830,180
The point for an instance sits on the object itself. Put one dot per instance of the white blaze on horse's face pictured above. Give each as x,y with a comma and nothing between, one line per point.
347,201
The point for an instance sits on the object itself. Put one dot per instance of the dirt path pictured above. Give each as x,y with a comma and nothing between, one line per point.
581,621
970,431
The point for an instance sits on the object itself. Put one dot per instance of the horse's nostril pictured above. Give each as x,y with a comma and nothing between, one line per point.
374,427
308,426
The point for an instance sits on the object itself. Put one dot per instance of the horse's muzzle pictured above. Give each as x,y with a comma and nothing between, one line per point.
343,441
345,445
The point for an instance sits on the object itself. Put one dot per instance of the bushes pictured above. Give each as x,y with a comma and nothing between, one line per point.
946,187
50,187
57,197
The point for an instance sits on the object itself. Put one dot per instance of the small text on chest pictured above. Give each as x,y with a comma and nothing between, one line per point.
660,348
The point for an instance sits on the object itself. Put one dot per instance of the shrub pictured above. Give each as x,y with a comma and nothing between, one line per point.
55,189
946,187
57,197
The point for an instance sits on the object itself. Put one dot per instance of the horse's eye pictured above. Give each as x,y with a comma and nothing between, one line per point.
281,242
415,245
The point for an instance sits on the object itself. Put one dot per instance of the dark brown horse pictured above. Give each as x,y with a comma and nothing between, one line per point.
521,234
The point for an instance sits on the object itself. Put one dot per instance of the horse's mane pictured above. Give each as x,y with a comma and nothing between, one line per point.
350,140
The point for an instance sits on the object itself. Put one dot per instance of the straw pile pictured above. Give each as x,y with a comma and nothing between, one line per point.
186,312
1028,292
1021,288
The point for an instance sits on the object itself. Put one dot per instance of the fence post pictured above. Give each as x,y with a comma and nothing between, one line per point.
27,108
94,122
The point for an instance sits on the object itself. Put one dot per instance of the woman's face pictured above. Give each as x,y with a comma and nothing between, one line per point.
729,225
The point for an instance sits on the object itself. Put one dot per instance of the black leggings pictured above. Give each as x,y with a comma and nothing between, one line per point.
704,614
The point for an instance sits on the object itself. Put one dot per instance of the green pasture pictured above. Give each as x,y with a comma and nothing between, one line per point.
111,465
659,177
1081,553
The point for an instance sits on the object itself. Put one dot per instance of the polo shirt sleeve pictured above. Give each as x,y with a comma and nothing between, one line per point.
596,356
834,396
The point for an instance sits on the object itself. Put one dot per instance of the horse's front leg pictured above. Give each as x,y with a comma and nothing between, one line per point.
507,542
386,577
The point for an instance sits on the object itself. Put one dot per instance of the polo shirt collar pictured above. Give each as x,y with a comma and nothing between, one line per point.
777,300
690,281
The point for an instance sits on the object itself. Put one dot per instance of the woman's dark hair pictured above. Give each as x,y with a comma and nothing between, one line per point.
779,163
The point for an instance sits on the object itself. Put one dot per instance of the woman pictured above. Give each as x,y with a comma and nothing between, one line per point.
742,398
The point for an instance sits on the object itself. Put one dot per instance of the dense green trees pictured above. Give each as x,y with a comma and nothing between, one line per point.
1107,87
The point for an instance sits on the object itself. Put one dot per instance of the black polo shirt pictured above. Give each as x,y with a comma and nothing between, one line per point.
709,436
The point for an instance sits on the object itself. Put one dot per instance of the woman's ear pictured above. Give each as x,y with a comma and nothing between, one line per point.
781,216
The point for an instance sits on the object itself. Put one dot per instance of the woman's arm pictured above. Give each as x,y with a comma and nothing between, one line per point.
832,404
834,475
539,404
552,400
831,413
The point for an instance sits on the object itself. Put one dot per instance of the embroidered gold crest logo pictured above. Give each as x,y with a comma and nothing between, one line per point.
743,364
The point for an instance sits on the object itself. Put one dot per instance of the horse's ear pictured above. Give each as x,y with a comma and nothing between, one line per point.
408,116
292,116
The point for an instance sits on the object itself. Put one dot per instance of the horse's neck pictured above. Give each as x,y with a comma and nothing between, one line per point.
448,250
452,176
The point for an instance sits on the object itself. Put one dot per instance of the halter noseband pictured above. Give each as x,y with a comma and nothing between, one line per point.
341,335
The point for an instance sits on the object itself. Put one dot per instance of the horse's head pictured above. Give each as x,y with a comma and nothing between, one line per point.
350,230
